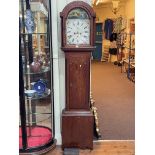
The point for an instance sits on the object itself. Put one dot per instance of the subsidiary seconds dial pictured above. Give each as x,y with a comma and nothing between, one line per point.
78,31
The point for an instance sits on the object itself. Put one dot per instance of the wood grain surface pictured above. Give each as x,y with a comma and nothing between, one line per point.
104,148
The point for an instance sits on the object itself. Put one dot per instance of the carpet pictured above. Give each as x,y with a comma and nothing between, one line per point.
114,98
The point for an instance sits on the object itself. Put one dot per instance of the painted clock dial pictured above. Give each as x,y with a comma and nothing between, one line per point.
78,28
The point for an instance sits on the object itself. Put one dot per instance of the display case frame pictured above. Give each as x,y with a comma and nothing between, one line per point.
36,109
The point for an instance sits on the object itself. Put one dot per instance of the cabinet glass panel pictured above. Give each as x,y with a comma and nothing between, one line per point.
36,109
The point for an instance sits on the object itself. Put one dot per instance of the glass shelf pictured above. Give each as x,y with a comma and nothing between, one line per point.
33,33
36,97
41,72
39,121
41,113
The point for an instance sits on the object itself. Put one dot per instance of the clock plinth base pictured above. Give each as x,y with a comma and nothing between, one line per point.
77,129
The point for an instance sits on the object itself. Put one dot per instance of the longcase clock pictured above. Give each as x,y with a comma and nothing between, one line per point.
78,29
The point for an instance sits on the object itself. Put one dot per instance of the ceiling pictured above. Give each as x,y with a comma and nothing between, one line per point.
105,1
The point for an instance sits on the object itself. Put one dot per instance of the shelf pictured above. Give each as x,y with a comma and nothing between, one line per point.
41,72
36,97
45,113
33,33
128,48
127,61
31,122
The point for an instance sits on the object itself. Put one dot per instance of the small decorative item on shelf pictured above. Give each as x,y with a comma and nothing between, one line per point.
45,68
30,93
40,87
46,62
35,67
40,59
29,21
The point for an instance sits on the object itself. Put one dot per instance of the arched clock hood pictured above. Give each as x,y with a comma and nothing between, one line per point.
64,15
79,4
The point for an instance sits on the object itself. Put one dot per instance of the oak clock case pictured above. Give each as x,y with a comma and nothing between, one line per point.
36,127
77,25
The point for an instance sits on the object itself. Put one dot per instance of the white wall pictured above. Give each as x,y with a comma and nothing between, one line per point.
130,9
129,12
58,66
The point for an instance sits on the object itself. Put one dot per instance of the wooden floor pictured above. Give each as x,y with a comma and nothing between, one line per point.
104,148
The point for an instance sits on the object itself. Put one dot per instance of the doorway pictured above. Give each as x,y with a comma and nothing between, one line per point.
113,71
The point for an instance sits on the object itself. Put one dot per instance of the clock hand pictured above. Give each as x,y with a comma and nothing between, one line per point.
85,27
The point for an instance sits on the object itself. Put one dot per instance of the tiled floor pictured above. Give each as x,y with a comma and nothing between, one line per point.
104,148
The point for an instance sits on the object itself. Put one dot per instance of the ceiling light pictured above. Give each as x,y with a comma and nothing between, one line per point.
115,6
98,1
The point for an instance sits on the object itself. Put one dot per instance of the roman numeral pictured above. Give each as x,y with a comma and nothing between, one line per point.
69,36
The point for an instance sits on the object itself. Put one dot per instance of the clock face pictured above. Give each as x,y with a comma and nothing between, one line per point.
78,28
77,31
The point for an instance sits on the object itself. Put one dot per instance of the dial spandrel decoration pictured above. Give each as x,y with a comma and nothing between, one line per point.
78,27
78,14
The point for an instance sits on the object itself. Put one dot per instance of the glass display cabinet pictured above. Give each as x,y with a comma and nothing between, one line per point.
36,126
